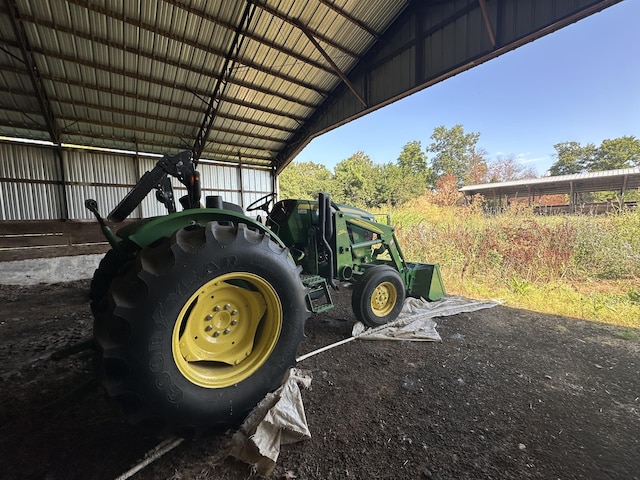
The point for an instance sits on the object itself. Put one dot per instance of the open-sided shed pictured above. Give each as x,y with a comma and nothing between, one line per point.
572,186
245,85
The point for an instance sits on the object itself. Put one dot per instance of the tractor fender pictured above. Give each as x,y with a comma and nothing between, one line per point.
146,231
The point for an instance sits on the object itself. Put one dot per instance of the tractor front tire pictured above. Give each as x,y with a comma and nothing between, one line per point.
199,328
378,296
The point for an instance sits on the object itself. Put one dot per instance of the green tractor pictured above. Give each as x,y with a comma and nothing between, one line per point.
200,313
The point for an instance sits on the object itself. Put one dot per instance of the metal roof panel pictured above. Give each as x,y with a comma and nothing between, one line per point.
148,69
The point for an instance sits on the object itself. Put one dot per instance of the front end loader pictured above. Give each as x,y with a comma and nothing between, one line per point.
200,313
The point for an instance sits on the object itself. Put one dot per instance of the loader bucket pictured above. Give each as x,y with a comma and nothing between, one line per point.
424,280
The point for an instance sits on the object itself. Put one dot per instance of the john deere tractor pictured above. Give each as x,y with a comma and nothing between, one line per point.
200,313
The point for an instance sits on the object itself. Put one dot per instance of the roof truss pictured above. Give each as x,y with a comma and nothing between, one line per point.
251,79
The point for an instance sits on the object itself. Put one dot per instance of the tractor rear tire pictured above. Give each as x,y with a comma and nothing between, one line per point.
199,328
378,296
110,265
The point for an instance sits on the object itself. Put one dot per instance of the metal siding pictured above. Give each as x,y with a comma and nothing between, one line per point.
22,198
104,177
257,183
257,180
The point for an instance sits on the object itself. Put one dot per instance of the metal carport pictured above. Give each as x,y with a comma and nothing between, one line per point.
620,181
245,85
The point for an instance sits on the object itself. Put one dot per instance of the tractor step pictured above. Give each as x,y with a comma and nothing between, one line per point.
318,297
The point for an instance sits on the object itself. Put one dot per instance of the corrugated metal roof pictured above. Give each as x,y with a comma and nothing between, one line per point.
149,75
139,74
607,180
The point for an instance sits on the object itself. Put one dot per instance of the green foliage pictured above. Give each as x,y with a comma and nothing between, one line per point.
304,180
457,161
355,181
634,295
394,186
413,161
587,267
608,247
571,157
520,285
358,181
623,152
455,152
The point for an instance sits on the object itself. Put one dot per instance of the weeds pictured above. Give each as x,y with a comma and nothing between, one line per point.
586,267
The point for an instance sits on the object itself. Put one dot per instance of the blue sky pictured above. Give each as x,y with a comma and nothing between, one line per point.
581,83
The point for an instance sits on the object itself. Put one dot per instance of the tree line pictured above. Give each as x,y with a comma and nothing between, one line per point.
452,159
571,157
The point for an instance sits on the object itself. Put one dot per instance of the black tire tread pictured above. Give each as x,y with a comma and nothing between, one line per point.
360,297
124,325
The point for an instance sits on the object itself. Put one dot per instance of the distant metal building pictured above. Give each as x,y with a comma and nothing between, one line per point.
573,186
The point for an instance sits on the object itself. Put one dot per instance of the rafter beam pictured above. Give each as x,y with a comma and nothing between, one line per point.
128,143
351,19
221,83
32,70
136,128
170,121
249,35
163,83
487,22
335,67
273,11
153,100
209,49
176,64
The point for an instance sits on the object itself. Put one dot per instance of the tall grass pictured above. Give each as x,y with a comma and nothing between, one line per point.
581,266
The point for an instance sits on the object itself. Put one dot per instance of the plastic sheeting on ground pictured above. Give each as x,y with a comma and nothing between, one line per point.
279,419
415,321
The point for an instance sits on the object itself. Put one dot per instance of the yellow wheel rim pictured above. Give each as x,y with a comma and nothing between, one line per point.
227,330
383,299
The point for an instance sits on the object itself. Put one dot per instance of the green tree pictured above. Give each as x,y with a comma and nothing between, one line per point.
394,186
304,180
355,181
413,160
571,158
411,175
623,152
455,152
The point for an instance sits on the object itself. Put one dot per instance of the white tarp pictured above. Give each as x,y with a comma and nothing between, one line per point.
415,321
279,419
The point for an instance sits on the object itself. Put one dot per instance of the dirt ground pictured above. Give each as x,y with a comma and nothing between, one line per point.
508,394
